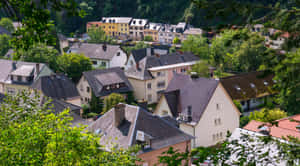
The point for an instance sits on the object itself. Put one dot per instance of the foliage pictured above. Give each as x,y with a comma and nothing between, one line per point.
4,44
41,53
173,157
238,105
73,65
266,115
288,77
244,120
197,45
148,38
111,101
238,50
201,68
176,40
32,135
7,24
37,26
138,45
172,49
97,35
96,104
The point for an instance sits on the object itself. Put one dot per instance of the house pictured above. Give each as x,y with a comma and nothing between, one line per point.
166,34
136,28
139,54
113,26
285,127
58,86
202,106
152,74
250,89
101,55
17,75
192,32
152,30
127,126
101,83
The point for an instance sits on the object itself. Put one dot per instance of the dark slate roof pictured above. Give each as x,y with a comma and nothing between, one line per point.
140,54
56,86
162,133
248,85
4,31
97,79
184,91
6,68
156,61
96,51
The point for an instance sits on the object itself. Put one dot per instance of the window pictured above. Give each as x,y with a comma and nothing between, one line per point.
149,98
161,84
118,54
218,106
183,70
243,102
149,85
94,62
160,73
10,91
88,89
19,78
217,121
103,63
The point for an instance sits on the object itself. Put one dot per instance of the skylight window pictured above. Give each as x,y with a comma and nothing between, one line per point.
237,87
266,83
252,85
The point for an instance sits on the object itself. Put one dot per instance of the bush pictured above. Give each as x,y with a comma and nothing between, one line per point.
148,38
244,121
176,40
267,115
92,114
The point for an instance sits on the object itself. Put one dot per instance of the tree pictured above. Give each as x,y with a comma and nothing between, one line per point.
41,53
73,65
173,157
148,38
197,45
111,101
176,40
288,77
201,68
4,44
266,115
138,45
7,24
97,35
96,104
31,134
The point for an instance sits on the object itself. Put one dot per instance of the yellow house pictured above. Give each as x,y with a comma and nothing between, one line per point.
113,26
152,30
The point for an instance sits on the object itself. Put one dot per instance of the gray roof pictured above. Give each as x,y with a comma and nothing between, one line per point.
155,61
6,68
195,92
100,78
96,51
140,54
162,133
56,86
122,20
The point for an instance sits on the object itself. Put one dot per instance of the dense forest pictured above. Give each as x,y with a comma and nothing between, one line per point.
155,10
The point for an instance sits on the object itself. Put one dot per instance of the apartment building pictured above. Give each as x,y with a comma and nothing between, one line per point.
152,30
137,27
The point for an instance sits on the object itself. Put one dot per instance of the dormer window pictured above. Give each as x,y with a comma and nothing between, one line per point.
252,85
118,85
107,88
237,87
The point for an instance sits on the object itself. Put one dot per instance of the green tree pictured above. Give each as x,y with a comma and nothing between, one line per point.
148,38
97,35
197,45
266,115
31,134
176,40
201,68
288,77
7,24
41,53
173,157
73,65
111,101
137,46
96,104
4,44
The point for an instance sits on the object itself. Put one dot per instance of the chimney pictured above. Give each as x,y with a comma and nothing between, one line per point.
148,51
37,68
14,65
104,47
189,112
119,114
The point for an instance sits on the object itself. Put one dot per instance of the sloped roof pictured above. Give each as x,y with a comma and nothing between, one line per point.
56,86
122,20
248,85
6,68
184,91
163,133
285,127
96,51
193,31
155,61
95,79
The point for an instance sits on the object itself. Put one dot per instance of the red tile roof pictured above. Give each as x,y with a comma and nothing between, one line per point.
285,127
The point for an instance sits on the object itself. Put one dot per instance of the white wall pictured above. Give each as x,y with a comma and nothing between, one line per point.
227,113
119,61
162,108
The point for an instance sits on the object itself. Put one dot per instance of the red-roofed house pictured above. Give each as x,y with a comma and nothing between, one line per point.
286,127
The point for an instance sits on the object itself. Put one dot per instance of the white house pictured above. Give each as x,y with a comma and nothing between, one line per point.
201,106
101,55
